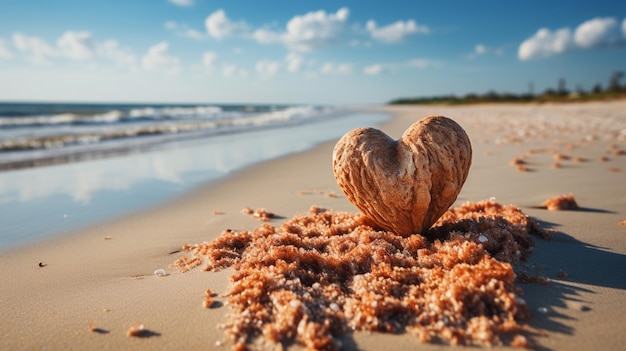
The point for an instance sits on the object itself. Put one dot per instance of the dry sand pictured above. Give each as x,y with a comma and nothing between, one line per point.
97,283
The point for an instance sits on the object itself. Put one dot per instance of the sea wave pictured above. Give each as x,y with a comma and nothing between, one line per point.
114,116
35,137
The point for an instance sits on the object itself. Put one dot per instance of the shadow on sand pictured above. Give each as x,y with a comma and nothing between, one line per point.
565,260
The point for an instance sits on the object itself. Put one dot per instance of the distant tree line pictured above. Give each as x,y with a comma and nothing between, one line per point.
614,89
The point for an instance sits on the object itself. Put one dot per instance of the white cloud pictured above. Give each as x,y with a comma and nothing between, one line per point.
208,59
232,70
373,69
545,44
76,45
480,49
184,30
597,32
266,36
171,25
294,62
182,2
590,34
5,52
194,34
111,50
158,59
219,26
308,32
79,46
267,69
394,32
423,63
336,68
36,49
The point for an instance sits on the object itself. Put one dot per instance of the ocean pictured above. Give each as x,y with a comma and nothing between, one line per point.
33,134
67,166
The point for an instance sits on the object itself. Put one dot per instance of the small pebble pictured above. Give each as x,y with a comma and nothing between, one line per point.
160,272
136,330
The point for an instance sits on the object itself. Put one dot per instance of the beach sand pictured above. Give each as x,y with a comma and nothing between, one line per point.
93,285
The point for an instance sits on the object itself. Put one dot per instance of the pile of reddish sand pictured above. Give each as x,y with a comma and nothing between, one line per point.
560,203
316,276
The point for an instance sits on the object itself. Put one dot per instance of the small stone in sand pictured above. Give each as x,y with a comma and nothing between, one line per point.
558,157
521,341
260,213
263,214
136,330
560,203
208,299
534,278
517,161
208,302
92,328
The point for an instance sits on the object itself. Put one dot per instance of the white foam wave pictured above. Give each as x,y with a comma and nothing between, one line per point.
175,112
114,116
70,139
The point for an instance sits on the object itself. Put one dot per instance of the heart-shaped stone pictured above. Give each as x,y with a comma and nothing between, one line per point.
404,185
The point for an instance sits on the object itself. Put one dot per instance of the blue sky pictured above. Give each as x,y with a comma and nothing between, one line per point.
285,51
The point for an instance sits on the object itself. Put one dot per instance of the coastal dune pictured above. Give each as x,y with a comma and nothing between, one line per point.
85,289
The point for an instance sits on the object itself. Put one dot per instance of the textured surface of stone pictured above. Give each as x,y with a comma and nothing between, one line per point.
404,185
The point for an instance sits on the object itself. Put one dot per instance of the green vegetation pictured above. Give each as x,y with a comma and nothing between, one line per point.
613,90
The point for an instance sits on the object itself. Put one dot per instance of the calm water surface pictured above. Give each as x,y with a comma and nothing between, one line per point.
42,202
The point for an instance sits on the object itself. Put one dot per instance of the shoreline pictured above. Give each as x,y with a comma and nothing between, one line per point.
104,275
134,139
75,195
